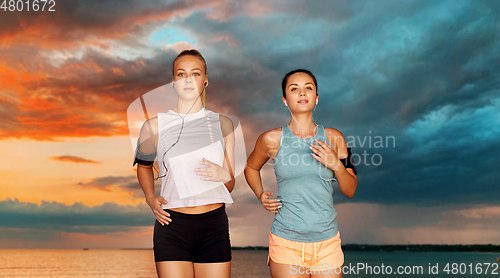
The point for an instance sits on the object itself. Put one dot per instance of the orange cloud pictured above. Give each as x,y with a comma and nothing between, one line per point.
71,158
59,103
10,77
118,71
38,103
6,99
113,86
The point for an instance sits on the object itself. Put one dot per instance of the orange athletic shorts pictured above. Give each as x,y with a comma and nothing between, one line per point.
327,253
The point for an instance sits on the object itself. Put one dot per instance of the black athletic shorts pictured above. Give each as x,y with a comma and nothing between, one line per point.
198,238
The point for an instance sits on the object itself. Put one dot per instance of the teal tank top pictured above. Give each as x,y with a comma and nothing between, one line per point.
307,213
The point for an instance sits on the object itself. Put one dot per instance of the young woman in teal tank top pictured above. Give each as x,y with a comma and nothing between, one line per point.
304,239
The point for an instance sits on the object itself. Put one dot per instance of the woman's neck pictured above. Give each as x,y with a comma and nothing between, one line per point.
183,107
306,127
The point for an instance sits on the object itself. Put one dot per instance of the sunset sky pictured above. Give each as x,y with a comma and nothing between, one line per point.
424,73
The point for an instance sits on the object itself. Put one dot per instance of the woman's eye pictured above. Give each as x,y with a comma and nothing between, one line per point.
196,74
180,74
309,88
293,89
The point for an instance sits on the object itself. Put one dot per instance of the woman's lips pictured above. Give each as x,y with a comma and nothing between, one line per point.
303,101
188,89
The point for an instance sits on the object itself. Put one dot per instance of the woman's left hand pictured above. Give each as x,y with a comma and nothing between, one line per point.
325,154
213,172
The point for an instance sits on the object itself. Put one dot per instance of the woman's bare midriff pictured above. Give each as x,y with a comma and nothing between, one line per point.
198,209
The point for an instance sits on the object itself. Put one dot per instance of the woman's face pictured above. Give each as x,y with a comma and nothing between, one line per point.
189,77
300,92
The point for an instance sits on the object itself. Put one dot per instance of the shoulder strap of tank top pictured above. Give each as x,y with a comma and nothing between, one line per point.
323,134
283,130
321,131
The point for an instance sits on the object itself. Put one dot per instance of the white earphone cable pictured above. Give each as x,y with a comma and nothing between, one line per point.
179,136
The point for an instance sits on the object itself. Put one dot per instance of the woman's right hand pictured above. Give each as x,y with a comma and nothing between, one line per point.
271,205
155,203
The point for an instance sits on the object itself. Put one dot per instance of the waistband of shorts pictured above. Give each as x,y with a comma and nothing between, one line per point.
210,213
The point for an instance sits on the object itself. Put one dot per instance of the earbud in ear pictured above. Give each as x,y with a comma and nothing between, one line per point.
285,103
205,84
316,102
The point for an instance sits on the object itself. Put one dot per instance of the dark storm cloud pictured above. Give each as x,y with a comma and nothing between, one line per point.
53,215
52,221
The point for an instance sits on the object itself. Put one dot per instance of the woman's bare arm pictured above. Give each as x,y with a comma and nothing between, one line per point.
346,178
148,142
255,161
145,176
228,133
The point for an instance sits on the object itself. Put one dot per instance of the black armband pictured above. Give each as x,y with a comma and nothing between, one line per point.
347,162
142,158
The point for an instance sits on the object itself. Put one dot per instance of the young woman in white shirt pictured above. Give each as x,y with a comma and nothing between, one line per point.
195,149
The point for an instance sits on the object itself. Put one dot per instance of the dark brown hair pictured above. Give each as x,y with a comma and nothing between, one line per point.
285,79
